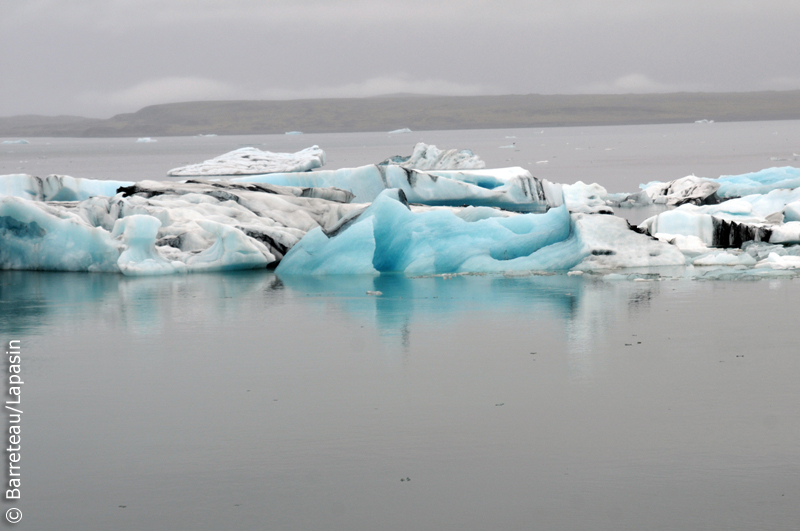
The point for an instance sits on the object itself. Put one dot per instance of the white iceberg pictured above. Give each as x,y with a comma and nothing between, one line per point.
159,228
690,189
16,142
57,187
146,140
701,190
400,131
253,161
509,188
429,157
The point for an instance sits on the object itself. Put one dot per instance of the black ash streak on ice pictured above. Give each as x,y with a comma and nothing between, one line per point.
257,223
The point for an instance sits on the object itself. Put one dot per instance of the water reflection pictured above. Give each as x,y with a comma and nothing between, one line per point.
37,303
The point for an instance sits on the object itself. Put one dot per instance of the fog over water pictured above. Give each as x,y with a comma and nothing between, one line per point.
98,58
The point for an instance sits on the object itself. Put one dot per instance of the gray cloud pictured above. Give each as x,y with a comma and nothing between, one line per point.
100,57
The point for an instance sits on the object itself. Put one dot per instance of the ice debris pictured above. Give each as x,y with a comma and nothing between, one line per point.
253,161
400,131
146,140
20,141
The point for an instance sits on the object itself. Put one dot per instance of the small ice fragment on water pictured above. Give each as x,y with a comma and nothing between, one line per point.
376,293
542,161
400,131
573,273
20,141
146,140
510,146
293,133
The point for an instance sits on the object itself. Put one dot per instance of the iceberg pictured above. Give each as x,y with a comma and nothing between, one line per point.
390,236
508,188
158,228
702,190
400,131
18,142
691,189
253,161
146,140
56,187
429,157
387,218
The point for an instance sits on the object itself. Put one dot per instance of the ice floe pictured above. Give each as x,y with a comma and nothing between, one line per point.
510,188
253,161
15,142
146,140
391,217
400,131
429,157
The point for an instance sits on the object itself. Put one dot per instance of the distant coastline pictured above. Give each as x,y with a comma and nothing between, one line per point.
417,112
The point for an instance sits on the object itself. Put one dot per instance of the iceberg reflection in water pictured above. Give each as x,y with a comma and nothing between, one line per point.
230,400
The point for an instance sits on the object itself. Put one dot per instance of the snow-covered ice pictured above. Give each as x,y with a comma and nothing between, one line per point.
253,161
429,157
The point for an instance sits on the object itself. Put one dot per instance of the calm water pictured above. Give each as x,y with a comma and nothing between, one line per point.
248,401
618,157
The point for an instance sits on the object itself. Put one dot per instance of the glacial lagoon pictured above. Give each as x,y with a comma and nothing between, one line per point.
255,400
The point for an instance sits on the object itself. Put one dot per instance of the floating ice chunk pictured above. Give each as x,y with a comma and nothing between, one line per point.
510,188
687,244
512,145
429,157
146,140
792,212
759,182
140,257
35,236
253,161
388,236
57,187
587,198
20,141
690,189
772,205
608,243
293,133
400,131
786,233
697,190
725,258
232,250
704,121
775,261
728,224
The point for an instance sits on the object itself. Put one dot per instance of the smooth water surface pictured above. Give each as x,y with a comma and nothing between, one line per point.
617,157
249,401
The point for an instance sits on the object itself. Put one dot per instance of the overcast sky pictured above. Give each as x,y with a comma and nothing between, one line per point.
102,57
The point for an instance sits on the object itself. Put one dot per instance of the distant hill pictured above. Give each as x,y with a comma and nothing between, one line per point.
416,112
